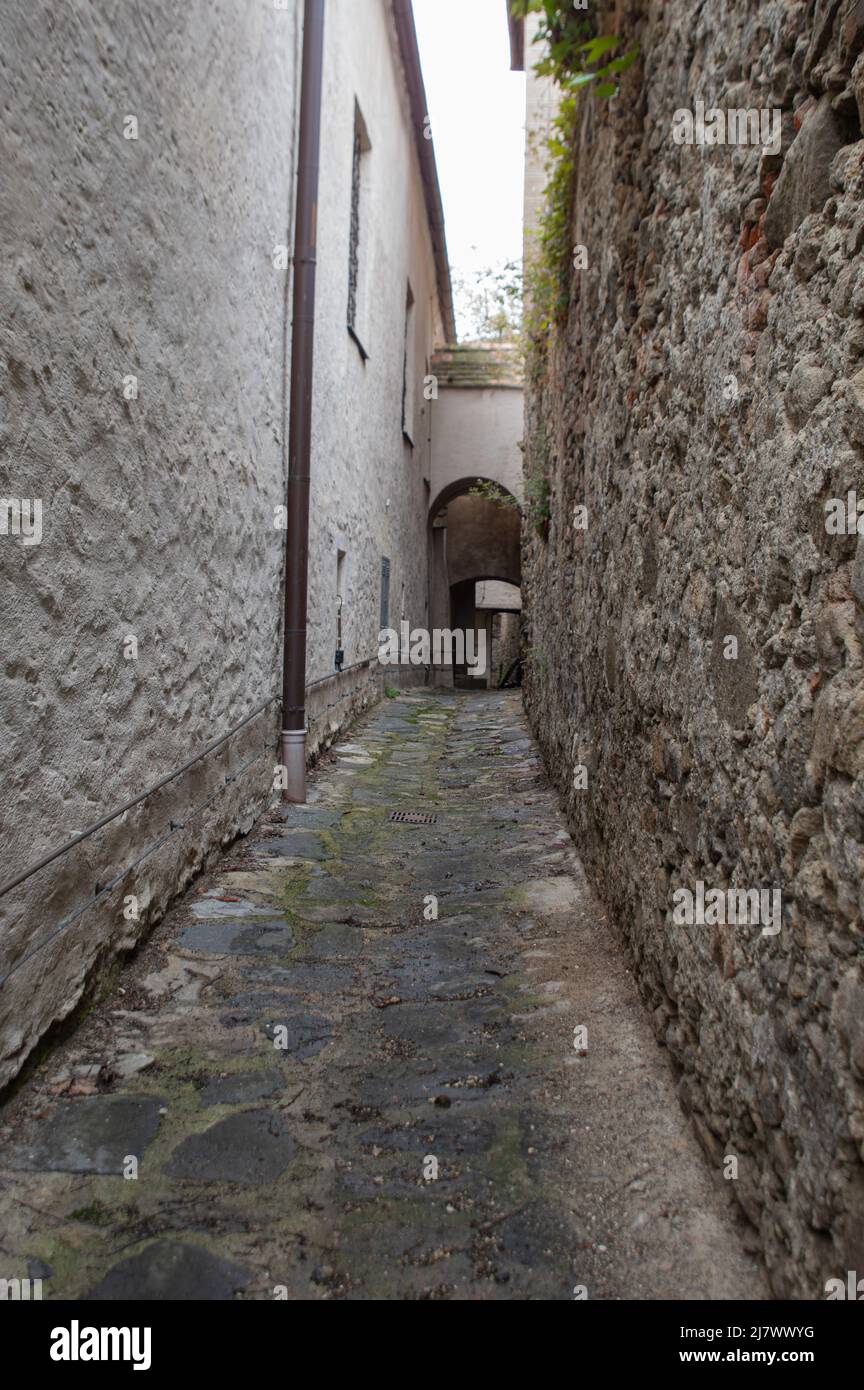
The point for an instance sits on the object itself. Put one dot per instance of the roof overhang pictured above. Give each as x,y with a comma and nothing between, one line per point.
517,40
407,36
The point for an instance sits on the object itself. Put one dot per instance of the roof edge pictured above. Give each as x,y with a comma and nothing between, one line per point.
407,36
517,40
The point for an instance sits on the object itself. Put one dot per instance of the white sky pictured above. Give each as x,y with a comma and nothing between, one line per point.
477,110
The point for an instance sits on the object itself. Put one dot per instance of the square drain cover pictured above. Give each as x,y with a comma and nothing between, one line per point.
413,818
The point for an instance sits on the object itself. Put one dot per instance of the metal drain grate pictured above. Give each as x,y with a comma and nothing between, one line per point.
413,818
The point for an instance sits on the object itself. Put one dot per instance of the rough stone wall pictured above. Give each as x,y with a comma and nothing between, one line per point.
705,398
505,646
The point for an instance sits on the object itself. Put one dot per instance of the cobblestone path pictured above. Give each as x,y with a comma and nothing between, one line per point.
329,1092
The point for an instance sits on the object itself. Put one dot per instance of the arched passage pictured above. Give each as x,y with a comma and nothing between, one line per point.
475,540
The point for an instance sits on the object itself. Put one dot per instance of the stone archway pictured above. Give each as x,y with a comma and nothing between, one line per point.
471,539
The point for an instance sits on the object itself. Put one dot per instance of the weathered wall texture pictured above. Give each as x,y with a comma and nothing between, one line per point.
482,540
704,401
505,645
150,257
163,257
370,492
476,433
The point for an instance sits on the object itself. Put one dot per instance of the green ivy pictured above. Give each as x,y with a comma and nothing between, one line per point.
536,507
575,58
547,270
491,492
572,53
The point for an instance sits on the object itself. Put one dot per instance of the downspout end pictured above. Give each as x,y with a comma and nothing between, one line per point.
294,762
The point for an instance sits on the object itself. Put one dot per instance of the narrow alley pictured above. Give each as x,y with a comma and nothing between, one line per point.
349,1064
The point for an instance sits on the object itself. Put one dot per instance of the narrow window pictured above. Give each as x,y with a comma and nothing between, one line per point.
385,593
340,599
356,267
408,382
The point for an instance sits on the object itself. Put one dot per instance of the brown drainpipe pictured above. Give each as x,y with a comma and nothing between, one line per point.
300,426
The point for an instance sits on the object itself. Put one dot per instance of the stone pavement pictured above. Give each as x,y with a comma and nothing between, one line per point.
327,1091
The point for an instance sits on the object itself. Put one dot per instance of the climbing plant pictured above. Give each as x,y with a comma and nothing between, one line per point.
491,492
572,53
536,507
575,57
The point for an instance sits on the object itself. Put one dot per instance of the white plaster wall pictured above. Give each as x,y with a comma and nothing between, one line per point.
155,257
476,432
361,461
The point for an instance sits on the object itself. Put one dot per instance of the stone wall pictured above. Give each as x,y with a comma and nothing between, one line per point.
703,400
505,645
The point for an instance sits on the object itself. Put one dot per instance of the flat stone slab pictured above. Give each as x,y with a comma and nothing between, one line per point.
309,817
305,1035
95,1135
443,1132
314,915
300,844
173,1272
252,1147
369,796
255,1002
212,909
316,977
335,940
403,1083
331,890
257,1010
239,938
430,1026
243,1088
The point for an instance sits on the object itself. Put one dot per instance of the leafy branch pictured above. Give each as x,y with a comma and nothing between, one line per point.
575,58
536,508
571,54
